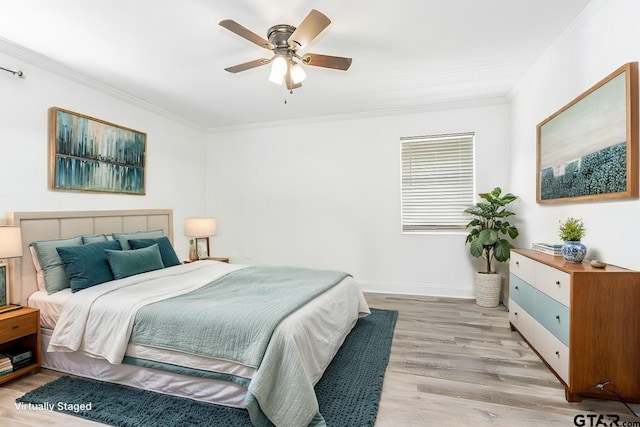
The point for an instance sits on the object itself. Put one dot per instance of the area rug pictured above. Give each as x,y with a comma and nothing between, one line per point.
348,393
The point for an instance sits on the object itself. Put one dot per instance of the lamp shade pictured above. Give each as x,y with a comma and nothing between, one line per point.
200,227
10,242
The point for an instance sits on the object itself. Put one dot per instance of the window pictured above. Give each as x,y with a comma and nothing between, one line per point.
437,182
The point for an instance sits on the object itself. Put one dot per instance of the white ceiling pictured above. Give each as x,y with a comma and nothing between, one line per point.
170,54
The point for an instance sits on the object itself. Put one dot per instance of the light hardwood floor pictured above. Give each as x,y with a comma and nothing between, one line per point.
452,364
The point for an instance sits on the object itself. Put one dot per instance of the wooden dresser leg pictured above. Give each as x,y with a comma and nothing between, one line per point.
571,397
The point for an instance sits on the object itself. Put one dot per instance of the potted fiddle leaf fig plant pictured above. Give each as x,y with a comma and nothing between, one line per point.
487,238
571,232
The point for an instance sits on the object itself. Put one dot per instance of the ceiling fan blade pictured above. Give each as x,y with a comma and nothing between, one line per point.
245,33
308,29
327,61
247,65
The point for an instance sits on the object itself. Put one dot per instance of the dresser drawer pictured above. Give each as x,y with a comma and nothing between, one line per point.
552,351
522,320
554,283
18,326
553,316
522,267
522,293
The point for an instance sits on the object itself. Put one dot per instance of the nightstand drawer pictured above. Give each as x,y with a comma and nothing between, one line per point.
18,326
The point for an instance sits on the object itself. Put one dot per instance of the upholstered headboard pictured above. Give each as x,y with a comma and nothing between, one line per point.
58,225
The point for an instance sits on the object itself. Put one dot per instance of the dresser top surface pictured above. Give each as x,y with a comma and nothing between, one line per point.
569,267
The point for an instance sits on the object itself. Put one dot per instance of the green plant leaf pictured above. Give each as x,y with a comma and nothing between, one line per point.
476,249
502,250
508,198
487,225
488,237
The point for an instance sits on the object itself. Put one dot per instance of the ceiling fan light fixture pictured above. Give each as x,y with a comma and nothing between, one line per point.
297,73
285,41
278,70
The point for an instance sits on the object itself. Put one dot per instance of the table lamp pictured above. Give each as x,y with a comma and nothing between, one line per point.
200,229
10,247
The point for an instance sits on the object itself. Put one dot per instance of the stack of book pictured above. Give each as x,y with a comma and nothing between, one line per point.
547,248
5,365
17,359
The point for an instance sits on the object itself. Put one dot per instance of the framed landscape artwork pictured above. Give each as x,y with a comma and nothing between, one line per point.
88,154
589,149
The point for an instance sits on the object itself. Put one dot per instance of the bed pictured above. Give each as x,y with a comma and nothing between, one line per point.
126,330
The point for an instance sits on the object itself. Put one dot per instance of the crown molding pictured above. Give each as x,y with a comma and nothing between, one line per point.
495,99
47,64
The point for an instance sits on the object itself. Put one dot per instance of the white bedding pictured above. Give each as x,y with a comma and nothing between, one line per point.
51,305
114,316
320,339
202,389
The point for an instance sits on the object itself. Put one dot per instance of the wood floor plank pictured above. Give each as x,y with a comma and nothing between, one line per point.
452,363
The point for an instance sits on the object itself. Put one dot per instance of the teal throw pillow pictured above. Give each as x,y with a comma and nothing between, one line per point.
55,277
94,239
87,265
168,254
127,263
124,237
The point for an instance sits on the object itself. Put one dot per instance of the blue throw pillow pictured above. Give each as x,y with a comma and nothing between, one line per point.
168,254
127,263
124,237
87,265
55,277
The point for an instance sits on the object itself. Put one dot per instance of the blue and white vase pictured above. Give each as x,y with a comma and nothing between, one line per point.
573,251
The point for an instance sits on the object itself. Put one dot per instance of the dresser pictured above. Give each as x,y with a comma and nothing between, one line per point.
583,322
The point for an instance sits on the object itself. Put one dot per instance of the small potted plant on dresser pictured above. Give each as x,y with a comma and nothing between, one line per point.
485,241
571,233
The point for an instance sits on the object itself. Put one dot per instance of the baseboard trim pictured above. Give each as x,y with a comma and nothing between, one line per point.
423,289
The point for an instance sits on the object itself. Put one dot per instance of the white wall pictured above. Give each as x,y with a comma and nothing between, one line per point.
326,194
175,164
602,40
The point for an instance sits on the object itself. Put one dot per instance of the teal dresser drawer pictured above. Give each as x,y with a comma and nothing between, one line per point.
552,315
522,293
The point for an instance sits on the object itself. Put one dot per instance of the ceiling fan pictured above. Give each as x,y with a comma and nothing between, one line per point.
285,41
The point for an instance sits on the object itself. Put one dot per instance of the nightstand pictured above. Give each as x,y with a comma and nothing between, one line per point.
20,329
211,258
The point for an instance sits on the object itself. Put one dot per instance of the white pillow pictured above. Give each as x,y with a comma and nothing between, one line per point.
36,264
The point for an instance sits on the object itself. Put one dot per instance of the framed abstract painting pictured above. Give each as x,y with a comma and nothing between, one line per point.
88,154
588,150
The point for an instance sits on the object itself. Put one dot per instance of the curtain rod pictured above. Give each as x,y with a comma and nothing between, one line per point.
18,73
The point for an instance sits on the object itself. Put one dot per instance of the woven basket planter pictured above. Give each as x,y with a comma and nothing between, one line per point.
487,289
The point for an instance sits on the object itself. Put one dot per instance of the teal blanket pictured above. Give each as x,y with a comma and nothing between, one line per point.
233,317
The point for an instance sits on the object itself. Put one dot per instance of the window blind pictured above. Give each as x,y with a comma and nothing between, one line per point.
437,181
